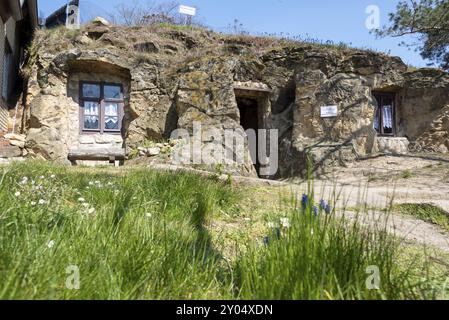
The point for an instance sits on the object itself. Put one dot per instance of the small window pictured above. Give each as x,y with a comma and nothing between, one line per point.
384,117
101,107
7,65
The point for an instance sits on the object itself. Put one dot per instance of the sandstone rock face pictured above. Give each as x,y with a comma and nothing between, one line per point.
10,152
425,110
185,80
392,145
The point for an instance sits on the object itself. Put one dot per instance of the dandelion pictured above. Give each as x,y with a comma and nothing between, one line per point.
17,194
50,244
285,223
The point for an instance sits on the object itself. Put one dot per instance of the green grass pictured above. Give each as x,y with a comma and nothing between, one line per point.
426,212
139,234
407,174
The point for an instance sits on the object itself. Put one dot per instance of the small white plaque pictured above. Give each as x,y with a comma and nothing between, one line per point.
329,111
190,11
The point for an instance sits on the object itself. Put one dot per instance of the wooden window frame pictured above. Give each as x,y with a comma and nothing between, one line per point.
380,96
102,103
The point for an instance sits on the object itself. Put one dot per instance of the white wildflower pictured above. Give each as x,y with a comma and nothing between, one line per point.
50,244
285,222
81,200
91,211
42,177
33,203
17,194
41,201
271,225
148,215
91,183
52,176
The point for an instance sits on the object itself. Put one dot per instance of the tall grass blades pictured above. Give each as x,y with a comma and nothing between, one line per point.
137,234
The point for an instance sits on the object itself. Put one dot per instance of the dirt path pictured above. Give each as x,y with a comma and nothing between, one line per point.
380,182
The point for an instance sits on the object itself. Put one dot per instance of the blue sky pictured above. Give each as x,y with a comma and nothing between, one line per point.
323,19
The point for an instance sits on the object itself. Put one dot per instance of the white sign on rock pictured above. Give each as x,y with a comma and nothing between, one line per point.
190,11
329,111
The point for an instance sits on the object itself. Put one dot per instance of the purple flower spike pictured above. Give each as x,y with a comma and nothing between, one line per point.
305,200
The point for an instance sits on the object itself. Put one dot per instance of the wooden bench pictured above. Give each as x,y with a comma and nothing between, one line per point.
113,155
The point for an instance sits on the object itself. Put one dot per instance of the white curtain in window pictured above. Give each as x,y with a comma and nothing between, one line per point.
388,117
91,108
111,109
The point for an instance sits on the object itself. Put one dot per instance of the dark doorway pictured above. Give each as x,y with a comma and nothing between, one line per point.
249,119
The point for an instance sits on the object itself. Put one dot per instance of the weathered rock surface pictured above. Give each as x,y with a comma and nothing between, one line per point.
10,152
174,78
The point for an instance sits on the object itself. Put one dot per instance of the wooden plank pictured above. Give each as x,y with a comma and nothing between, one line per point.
97,154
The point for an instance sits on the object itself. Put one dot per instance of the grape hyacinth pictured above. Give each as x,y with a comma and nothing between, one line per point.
325,207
